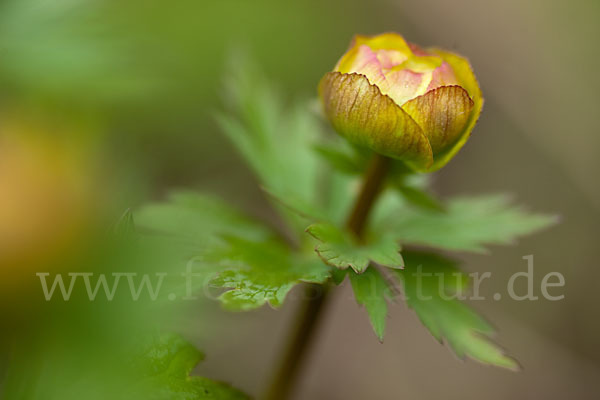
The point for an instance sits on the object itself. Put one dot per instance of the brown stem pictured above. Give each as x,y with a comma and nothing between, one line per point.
372,185
305,326
308,316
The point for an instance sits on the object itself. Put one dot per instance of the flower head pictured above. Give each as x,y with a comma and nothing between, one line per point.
402,101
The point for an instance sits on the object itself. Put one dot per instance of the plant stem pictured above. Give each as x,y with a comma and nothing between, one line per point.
372,185
303,331
308,316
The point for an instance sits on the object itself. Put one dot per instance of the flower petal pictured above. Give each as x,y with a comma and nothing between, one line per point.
442,113
367,63
463,72
386,41
403,85
443,76
361,113
466,79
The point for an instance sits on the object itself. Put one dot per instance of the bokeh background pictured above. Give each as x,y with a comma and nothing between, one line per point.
106,105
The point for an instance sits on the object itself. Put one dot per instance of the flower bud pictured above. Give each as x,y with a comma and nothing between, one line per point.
414,105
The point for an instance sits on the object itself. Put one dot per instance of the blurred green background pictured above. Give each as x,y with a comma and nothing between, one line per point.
124,93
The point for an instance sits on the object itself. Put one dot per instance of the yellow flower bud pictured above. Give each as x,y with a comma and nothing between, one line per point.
414,105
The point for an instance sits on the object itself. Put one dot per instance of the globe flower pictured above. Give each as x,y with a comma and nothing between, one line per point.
402,101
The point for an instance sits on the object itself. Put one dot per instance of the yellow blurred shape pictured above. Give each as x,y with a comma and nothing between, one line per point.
44,201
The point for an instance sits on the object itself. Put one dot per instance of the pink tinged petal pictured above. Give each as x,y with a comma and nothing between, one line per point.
366,62
443,76
390,58
417,50
405,85
363,58
361,113
443,114
396,72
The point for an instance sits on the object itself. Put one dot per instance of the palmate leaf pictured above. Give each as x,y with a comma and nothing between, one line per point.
339,249
276,141
165,366
429,283
250,261
198,219
469,223
371,290
297,205
247,259
335,210
262,272
419,197
343,156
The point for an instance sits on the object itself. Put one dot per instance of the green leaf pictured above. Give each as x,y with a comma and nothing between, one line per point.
166,365
338,275
420,198
371,290
275,141
343,157
339,249
262,272
468,225
199,219
339,197
232,251
430,282
298,205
